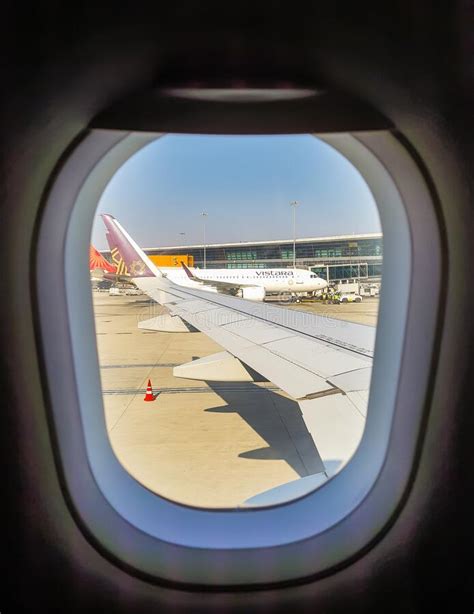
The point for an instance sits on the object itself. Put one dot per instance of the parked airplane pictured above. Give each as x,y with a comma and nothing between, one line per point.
250,284
255,284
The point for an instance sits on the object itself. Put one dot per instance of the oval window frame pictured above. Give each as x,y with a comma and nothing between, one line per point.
168,541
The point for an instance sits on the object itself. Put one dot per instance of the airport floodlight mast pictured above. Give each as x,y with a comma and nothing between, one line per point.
294,204
204,216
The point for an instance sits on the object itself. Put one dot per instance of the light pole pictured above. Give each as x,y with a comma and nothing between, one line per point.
204,215
294,204
182,234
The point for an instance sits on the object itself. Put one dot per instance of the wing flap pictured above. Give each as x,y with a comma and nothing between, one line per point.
291,378
317,356
356,380
336,427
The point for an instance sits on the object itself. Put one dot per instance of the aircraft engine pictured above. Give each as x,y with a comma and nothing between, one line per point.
253,294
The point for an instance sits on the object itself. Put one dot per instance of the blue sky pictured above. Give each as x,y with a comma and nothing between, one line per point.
244,183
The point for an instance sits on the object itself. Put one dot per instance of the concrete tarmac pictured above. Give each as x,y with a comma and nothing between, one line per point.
200,443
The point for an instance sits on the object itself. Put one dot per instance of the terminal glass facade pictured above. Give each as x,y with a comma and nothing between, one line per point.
338,258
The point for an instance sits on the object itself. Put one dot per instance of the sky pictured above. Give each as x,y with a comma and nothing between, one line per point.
245,185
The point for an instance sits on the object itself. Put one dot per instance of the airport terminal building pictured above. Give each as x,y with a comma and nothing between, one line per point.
334,258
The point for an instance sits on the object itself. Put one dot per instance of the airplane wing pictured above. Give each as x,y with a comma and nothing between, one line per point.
324,364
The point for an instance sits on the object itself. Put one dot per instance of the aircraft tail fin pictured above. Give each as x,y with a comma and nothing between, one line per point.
188,272
128,256
97,261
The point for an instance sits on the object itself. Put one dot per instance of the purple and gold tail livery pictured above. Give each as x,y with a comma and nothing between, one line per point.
126,254
188,272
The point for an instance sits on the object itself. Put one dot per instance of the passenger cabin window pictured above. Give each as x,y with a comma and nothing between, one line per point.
209,400
222,397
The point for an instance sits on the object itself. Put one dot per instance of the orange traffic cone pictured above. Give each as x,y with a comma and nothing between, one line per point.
149,393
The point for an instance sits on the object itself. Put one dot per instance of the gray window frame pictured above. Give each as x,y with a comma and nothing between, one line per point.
305,537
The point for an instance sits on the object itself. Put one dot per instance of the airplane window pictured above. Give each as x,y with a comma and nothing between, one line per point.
218,397
230,419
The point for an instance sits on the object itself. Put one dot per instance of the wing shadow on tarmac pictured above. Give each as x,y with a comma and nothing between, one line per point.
277,420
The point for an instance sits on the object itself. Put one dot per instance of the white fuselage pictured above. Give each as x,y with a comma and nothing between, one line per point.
272,280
